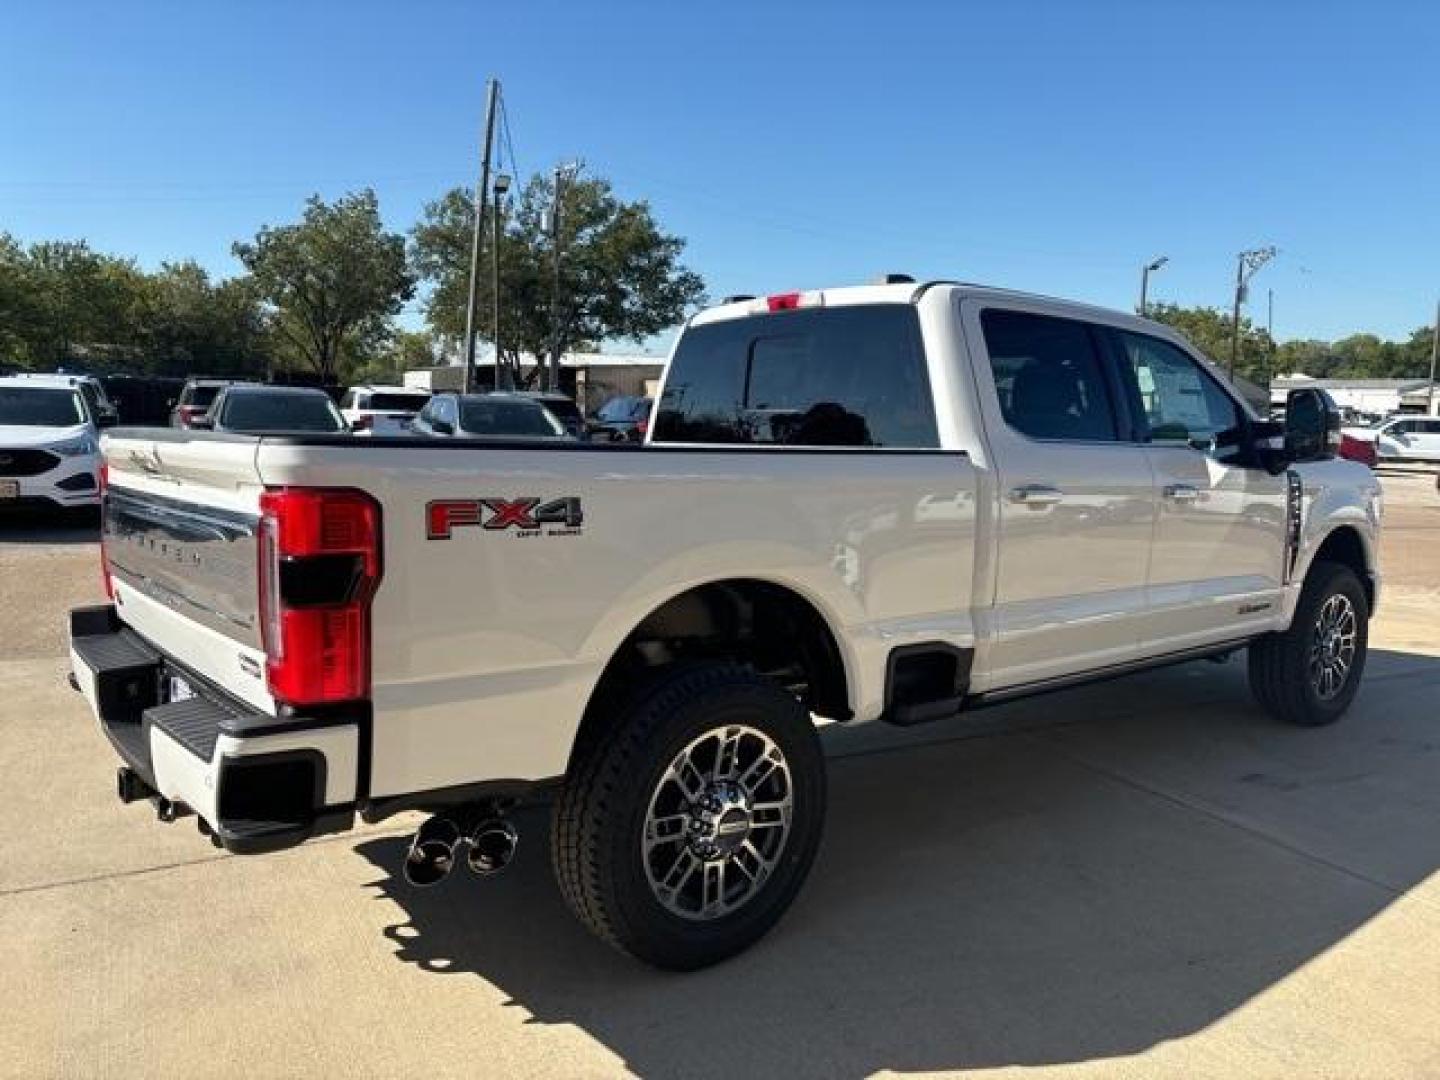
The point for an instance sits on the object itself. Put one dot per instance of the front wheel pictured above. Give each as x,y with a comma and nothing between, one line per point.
1309,674
683,834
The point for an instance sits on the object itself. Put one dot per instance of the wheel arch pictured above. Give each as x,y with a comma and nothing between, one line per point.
1349,546
772,625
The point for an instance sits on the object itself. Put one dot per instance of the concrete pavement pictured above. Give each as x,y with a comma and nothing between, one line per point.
1144,878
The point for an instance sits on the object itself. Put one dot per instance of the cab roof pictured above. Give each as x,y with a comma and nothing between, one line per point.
906,292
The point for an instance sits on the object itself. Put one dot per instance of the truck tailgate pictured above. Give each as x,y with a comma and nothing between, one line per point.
179,522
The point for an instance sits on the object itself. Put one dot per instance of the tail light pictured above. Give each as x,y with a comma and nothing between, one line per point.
319,566
189,413
103,478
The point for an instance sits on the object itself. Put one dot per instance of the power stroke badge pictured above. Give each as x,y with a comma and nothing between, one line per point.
521,518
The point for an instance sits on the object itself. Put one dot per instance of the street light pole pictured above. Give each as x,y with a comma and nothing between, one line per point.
1145,272
1269,338
481,190
563,175
1434,350
502,185
1246,264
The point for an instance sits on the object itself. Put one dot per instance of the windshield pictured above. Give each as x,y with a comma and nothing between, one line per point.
280,412
392,402
482,417
40,408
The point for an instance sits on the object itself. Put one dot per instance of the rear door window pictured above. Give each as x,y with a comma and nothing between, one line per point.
849,376
1049,376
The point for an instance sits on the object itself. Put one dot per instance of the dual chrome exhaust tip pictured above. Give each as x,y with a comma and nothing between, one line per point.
434,851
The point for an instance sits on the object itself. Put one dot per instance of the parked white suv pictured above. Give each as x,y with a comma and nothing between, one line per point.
382,410
1402,438
96,397
878,504
49,444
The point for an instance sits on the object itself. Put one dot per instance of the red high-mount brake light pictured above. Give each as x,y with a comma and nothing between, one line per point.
319,566
789,301
102,480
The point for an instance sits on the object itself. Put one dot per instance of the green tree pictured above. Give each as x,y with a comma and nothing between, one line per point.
21,306
76,302
620,275
404,351
1209,330
334,280
191,325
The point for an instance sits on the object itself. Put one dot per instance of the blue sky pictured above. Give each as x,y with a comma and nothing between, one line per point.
1053,147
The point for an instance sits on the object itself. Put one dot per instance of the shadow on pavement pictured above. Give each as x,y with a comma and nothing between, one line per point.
1069,892
31,526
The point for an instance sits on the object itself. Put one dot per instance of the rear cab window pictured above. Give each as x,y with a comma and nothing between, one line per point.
844,376
200,397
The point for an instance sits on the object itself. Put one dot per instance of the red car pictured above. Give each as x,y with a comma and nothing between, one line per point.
1361,450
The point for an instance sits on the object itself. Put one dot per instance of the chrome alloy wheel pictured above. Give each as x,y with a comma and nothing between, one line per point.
717,822
1332,646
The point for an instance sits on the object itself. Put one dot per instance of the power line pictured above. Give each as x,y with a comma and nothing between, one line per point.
505,135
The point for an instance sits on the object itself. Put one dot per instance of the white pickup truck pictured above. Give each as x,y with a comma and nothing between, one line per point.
884,503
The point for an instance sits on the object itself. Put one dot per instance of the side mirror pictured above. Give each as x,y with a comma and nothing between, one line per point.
442,427
1312,426
108,418
203,423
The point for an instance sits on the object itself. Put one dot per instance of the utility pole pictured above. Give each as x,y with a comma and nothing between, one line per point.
1145,272
1434,350
481,191
503,380
1247,263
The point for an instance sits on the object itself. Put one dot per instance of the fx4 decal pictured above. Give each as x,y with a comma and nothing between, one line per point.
443,516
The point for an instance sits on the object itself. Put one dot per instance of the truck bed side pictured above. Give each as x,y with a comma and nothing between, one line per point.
491,629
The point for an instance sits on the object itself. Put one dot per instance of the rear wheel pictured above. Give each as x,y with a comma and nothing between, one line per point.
685,832
1309,674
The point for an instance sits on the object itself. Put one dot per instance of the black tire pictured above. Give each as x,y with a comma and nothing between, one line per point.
600,815
1281,677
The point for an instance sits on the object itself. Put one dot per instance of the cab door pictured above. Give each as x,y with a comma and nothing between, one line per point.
1075,500
1217,561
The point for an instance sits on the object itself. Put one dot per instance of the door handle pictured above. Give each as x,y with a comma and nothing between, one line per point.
1036,495
1182,493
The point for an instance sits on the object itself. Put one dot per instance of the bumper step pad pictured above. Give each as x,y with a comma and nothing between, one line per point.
194,724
